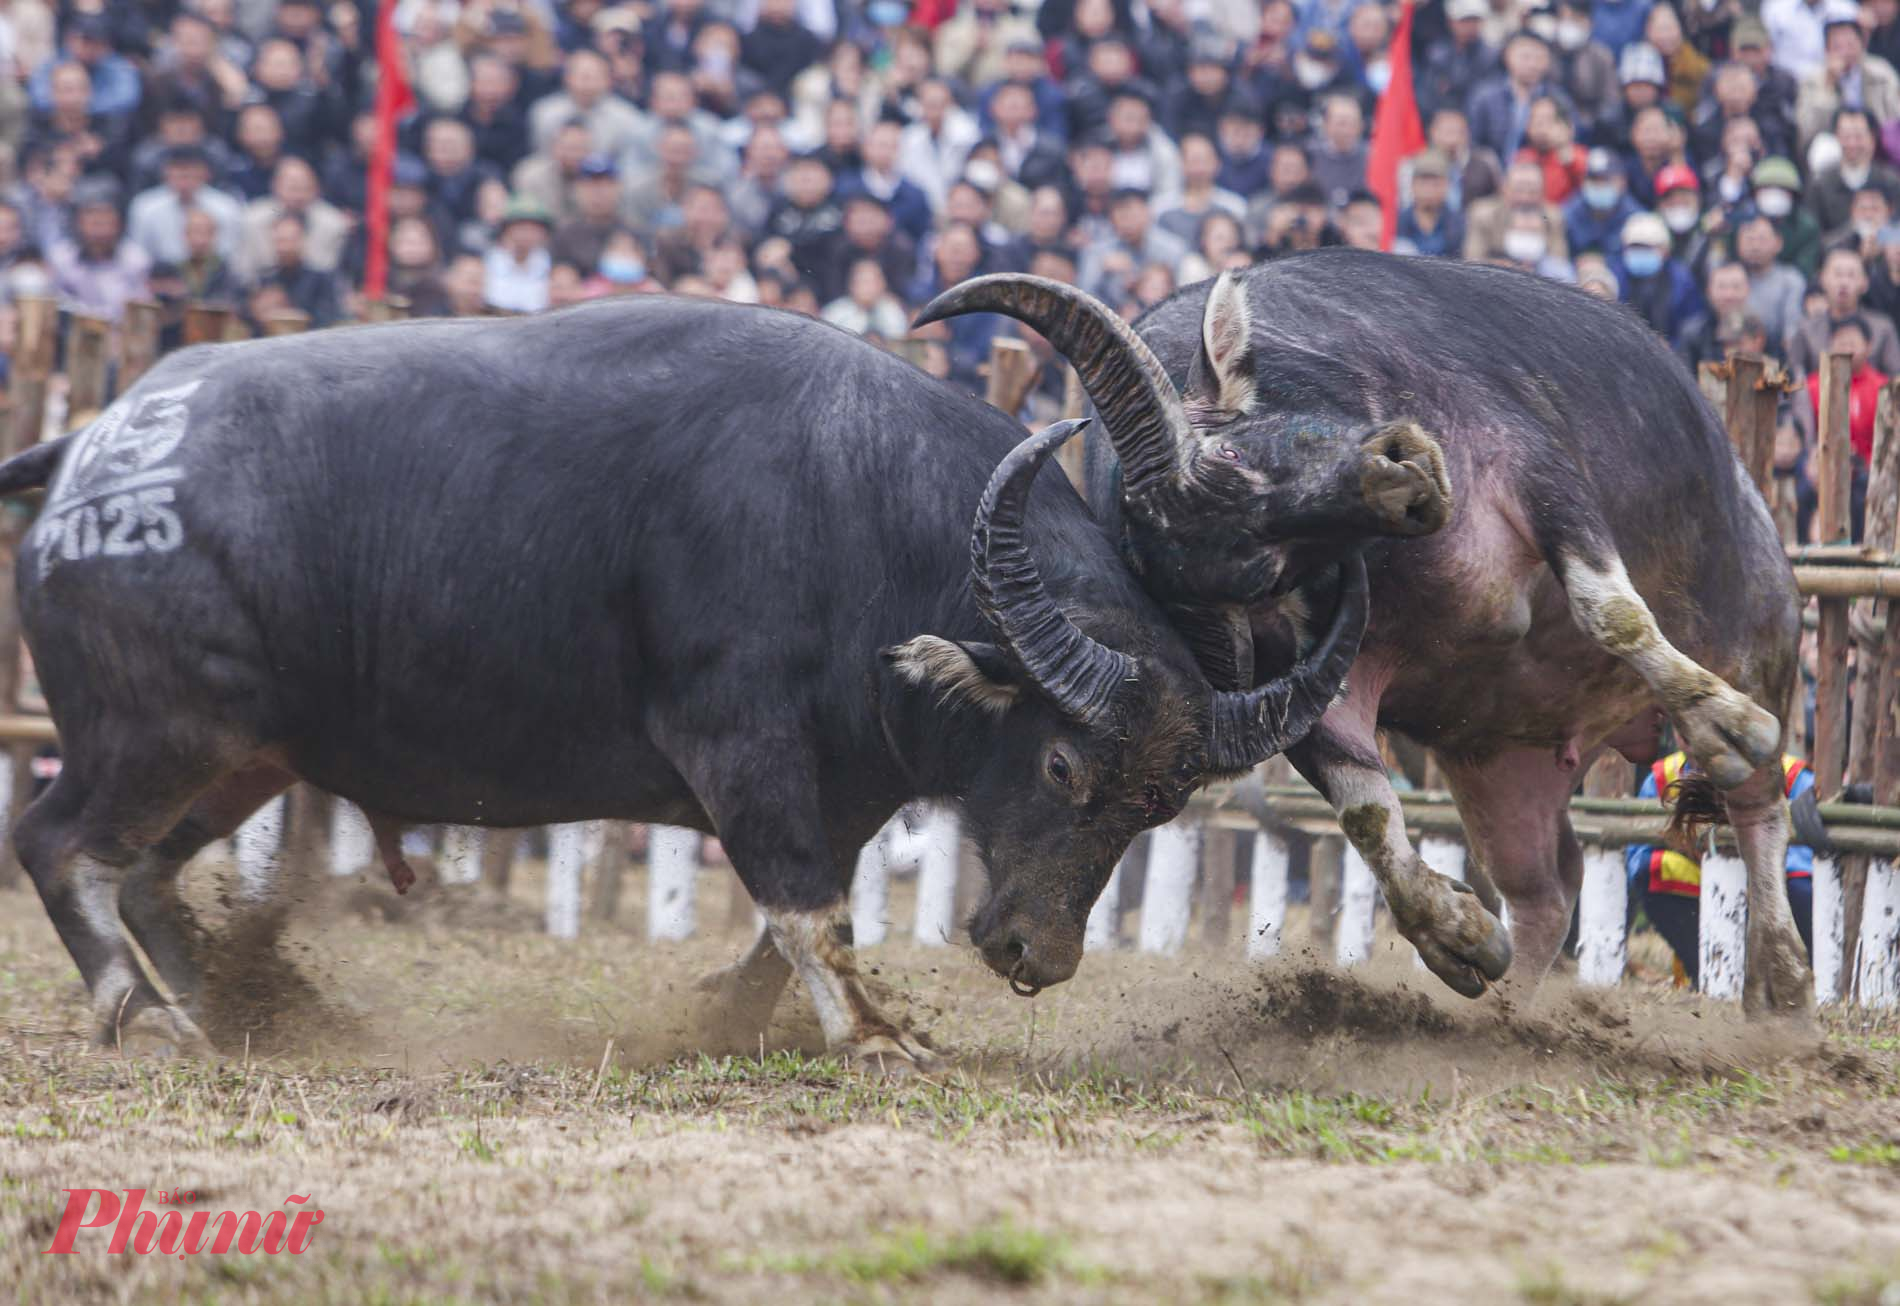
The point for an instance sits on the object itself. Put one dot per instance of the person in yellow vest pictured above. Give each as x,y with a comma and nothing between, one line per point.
1667,881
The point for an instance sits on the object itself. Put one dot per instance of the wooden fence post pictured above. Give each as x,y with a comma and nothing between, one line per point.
138,341
1741,414
289,322
1833,460
32,369
1012,371
207,324
88,341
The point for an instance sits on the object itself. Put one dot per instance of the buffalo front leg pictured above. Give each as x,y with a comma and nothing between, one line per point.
743,996
1461,942
1778,979
1727,733
818,946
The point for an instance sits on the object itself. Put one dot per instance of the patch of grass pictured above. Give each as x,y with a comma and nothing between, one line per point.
1860,1286
997,1253
473,1144
1880,1151
1547,1286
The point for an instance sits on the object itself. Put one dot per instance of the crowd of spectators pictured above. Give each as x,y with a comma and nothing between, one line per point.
1727,171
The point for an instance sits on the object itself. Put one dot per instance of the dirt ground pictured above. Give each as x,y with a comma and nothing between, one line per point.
484,1114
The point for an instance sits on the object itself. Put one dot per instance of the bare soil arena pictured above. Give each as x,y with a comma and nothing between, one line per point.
483,1113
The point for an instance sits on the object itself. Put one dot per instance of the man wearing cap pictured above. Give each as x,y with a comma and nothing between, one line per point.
1640,68
1651,281
156,220
1594,217
1775,86
1428,225
515,270
1679,204
580,239
1458,61
1848,77
97,271
1799,31
1777,189
1830,195
1500,109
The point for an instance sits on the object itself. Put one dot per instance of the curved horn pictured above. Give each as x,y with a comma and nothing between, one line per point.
1252,726
1080,675
1147,422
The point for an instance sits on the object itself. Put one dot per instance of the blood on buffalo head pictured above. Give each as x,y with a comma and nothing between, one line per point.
1073,747
1223,503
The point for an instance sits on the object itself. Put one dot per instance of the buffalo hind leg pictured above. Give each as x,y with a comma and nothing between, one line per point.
1460,942
1727,733
149,903
1515,809
743,996
76,841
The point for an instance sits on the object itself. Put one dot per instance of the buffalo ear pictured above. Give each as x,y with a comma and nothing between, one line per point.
1221,385
968,673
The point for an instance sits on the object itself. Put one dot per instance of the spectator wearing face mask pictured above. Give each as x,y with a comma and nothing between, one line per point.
1594,217
1679,205
1831,193
1777,186
1488,219
1527,245
1653,282
1848,77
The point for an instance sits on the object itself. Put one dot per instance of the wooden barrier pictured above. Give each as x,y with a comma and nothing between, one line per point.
88,346
138,341
1833,470
32,371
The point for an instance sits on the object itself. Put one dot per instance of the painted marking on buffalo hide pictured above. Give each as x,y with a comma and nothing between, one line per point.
114,494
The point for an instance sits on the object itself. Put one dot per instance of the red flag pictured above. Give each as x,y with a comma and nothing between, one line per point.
394,100
1396,134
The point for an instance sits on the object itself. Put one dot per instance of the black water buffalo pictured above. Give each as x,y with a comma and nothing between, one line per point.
659,560
1604,560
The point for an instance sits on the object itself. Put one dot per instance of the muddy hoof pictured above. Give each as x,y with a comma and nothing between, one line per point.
163,1032
1460,942
894,1056
1730,736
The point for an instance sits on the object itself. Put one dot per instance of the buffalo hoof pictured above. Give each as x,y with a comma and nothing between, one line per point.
1728,734
1777,983
165,1032
1460,942
894,1055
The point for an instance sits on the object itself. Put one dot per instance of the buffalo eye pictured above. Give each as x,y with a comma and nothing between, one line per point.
1230,453
1059,770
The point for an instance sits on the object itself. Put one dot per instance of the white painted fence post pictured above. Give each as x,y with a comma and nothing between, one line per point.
871,893
259,845
1447,857
352,846
1358,895
1174,859
1723,928
1878,973
461,856
1829,929
672,877
1603,919
567,855
1266,897
1103,932
937,861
